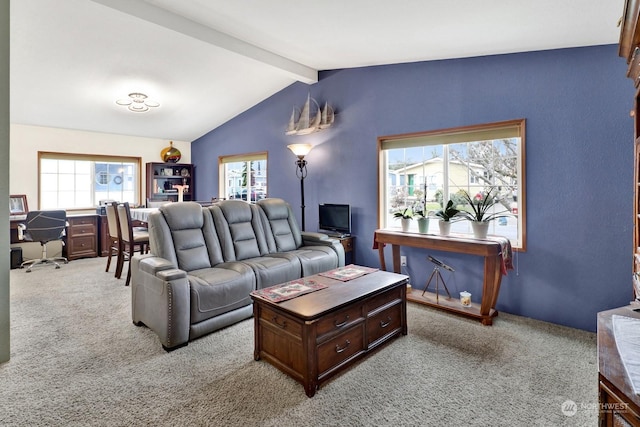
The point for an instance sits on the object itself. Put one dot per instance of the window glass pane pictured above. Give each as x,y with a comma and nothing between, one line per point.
421,175
69,181
243,177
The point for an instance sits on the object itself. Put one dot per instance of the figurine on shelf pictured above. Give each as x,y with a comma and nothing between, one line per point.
181,189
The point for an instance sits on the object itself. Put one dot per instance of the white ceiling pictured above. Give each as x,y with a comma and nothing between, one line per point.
207,61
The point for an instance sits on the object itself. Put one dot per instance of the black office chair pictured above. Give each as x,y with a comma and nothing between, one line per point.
43,227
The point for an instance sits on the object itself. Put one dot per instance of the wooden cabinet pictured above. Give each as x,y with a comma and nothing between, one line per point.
161,177
348,243
629,49
82,236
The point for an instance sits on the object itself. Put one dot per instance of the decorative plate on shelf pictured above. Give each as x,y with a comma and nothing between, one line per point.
184,172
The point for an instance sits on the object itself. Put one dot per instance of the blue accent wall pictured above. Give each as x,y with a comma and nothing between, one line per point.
579,164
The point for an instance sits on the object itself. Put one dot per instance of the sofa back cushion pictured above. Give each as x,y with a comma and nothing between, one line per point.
283,233
177,233
239,229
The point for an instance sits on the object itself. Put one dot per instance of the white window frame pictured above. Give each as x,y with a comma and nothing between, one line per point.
442,139
66,189
230,186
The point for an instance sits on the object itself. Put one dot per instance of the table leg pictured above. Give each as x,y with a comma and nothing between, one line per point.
395,250
490,288
383,265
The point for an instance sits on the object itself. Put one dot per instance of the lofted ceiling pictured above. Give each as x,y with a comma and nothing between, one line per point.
206,61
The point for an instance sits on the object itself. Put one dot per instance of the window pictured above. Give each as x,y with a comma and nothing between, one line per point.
431,168
80,181
243,176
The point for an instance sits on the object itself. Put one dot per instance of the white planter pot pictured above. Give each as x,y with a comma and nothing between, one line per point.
406,223
445,227
480,229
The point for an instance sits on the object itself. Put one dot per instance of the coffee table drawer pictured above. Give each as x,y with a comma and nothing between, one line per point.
384,323
281,322
340,348
392,295
339,320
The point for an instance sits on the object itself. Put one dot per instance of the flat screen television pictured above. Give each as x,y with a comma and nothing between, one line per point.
334,219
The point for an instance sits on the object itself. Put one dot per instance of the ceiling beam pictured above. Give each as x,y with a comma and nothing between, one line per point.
180,24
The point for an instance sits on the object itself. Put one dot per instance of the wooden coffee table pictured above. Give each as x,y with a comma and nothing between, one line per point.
314,336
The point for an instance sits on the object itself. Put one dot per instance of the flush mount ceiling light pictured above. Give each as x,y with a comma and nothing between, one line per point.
137,102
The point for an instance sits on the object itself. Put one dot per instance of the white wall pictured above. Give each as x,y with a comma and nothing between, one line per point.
26,141
4,175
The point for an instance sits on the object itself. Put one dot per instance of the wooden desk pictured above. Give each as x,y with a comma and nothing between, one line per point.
490,250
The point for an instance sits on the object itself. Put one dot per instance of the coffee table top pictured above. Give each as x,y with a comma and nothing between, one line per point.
337,294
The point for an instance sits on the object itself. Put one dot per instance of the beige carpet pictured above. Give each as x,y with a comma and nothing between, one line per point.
77,360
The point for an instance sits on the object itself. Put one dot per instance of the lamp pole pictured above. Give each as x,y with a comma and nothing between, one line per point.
301,150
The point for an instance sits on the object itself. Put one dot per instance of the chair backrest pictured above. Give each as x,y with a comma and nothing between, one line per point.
283,233
45,226
156,203
112,219
124,219
184,234
240,230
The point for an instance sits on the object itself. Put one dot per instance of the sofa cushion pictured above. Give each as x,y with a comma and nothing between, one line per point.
240,230
215,291
285,240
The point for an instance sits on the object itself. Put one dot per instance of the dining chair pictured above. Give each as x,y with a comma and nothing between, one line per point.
130,239
113,228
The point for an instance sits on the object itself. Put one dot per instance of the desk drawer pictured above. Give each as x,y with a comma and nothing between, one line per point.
83,229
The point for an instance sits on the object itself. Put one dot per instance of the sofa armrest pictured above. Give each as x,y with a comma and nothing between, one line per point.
320,239
160,299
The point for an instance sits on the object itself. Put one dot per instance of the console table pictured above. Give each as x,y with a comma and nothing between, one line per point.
490,250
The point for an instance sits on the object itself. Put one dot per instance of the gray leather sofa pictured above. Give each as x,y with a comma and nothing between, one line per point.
204,262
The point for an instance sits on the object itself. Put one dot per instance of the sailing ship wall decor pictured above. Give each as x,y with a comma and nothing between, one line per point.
311,119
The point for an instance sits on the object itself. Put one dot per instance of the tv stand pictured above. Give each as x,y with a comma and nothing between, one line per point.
338,235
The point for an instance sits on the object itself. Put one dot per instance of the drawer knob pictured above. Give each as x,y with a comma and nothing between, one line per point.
341,349
341,324
282,325
384,324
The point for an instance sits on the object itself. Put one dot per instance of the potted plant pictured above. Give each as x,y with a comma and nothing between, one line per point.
480,216
405,217
446,215
420,211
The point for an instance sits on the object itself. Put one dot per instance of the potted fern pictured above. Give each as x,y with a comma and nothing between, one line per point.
446,214
479,214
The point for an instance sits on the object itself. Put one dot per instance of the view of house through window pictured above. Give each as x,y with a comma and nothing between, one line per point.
421,172
243,176
76,181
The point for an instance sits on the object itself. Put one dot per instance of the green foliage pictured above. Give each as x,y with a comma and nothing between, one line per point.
406,213
480,205
448,212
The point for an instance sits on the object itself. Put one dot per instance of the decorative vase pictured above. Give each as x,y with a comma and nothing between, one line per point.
406,223
480,229
423,225
445,227
170,154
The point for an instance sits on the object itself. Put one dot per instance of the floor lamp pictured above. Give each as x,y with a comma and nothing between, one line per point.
301,150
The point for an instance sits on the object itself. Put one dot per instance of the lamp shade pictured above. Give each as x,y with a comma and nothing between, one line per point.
300,150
